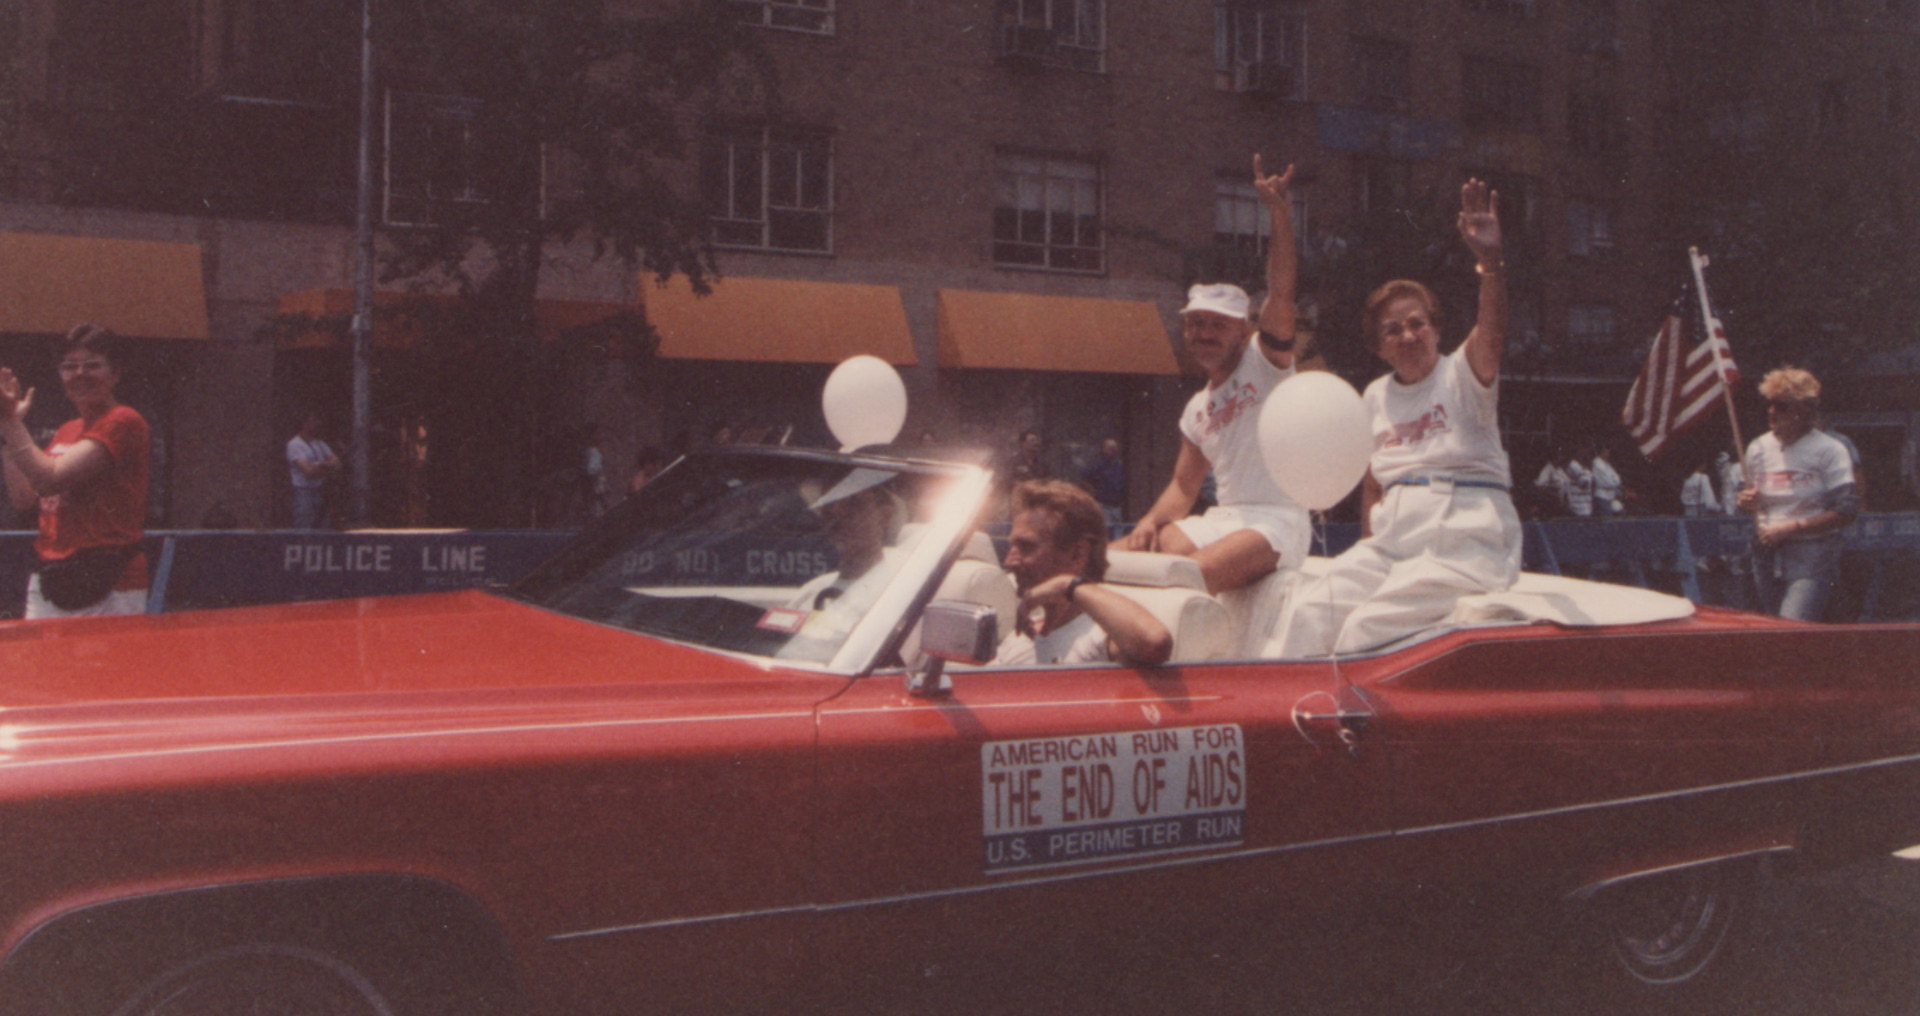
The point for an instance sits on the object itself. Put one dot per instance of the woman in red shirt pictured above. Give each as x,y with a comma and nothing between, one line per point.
90,484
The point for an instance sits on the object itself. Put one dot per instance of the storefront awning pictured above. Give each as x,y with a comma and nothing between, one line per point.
1023,331
141,288
778,321
331,307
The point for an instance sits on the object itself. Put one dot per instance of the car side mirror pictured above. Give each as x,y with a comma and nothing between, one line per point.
952,631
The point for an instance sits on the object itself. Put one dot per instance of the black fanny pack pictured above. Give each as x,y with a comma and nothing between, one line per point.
85,578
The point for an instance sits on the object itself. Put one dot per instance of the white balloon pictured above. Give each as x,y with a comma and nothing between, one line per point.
1314,438
865,402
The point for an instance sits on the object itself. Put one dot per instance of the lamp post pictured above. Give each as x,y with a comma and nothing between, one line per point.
362,479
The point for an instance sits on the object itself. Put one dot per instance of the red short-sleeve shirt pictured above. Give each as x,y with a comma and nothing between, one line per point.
111,508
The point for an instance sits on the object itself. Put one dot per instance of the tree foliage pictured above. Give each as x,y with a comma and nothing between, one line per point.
582,132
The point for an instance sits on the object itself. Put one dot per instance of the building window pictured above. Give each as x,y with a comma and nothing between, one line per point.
1498,95
433,159
1830,105
1593,124
1241,223
1590,327
797,15
1046,213
1057,33
1510,8
770,187
1381,185
1382,75
1260,47
1589,228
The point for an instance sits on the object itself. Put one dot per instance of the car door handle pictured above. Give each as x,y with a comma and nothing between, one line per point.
1329,722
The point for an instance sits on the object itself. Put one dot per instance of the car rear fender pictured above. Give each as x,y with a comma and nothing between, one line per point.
1759,858
418,939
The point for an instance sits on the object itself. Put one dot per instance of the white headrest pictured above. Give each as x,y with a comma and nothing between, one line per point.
979,547
1159,571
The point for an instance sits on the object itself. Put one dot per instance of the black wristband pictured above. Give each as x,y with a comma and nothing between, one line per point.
1073,586
1275,342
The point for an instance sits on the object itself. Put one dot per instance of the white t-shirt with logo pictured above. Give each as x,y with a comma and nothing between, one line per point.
1446,424
1224,423
1793,480
1077,641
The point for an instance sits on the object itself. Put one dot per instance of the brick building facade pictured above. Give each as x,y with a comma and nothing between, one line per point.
1008,195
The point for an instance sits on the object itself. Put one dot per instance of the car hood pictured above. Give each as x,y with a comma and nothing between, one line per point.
432,643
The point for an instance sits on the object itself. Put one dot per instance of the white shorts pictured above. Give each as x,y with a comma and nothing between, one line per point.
120,601
1286,530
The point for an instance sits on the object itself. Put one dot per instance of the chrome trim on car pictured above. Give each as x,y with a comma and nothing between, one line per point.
1589,891
964,890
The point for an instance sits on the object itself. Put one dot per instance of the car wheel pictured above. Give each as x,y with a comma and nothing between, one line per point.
1667,930
258,980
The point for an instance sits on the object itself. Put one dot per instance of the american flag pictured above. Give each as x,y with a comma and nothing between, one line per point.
1684,378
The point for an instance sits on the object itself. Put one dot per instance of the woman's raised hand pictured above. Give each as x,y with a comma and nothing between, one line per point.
1480,220
13,403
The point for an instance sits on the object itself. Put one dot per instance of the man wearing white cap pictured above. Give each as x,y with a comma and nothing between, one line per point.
1256,526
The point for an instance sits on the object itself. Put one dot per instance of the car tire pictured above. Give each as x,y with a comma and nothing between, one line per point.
260,979
1667,931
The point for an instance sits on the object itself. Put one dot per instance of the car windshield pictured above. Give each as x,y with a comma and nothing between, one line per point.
769,553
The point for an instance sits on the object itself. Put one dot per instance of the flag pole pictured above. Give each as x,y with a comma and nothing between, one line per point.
1708,321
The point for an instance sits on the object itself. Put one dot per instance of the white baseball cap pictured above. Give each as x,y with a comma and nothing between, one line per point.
1220,298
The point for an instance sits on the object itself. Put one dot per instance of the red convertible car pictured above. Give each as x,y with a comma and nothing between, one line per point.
688,766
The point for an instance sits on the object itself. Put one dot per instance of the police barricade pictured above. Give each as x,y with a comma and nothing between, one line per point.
191,570
1697,557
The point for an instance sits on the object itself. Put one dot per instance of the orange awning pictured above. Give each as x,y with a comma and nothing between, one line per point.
140,288
1024,331
778,321
394,331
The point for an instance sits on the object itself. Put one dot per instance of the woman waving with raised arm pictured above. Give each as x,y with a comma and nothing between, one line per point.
90,484
1439,519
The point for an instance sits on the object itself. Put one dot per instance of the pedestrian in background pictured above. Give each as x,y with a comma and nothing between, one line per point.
1106,479
1028,462
90,484
1607,487
1801,494
1732,477
593,473
1580,483
311,463
646,466
1550,487
1696,493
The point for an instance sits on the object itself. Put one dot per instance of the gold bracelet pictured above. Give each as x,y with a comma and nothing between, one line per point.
1482,269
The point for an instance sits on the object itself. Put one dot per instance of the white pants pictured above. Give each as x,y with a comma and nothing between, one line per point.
120,601
1428,549
1287,530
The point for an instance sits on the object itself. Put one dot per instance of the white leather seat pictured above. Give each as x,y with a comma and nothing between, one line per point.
1171,587
976,577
